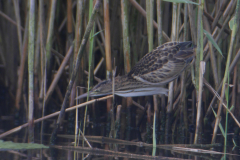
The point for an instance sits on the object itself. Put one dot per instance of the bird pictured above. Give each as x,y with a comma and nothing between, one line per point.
157,68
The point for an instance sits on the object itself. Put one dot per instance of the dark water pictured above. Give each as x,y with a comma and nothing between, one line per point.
105,148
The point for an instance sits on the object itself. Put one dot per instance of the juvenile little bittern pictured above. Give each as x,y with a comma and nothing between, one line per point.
159,67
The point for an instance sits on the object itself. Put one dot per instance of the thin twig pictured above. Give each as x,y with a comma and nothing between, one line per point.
85,139
10,19
58,74
219,98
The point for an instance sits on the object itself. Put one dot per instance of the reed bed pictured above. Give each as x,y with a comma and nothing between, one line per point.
61,45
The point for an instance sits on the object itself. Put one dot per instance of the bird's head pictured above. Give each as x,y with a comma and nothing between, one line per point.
101,89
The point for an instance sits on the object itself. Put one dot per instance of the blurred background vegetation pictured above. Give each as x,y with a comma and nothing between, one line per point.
40,40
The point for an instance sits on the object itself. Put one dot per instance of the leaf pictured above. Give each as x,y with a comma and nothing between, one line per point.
231,23
210,38
181,1
220,125
234,143
95,34
8,145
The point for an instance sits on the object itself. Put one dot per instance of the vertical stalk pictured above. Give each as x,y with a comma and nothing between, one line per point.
226,118
160,41
42,50
79,25
17,14
174,23
183,115
90,57
212,55
108,50
50,33
107,38
22,67
78,35
183,81
159,21
126,44
69,42
117,123
31,69
149,10
42,82
185,22
170,86
126,49
235,75
178,21
199,58
69,17
192,23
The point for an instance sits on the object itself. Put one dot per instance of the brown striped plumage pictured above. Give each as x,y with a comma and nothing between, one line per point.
159,67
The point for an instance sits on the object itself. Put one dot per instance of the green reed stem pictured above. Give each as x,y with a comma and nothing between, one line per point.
31,37
149,10
89,64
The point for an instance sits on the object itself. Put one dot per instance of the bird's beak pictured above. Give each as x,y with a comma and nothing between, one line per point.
84,95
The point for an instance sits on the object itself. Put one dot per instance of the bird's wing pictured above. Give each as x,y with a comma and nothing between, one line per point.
163,64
